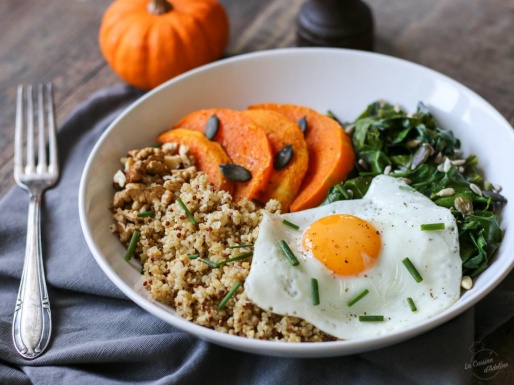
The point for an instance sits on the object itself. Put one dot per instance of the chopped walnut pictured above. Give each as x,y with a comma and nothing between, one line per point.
173,161
184,156
146,153
157,168
151,176
131,216
186,173
125,231
136,172
142,195
167,198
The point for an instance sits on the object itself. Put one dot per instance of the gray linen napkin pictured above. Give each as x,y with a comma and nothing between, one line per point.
101,337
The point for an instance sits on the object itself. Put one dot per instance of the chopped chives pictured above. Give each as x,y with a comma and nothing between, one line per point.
156,144
432,226
411,303
193,256
412,270
371,318
188,213
210,263
144,214
407,188
358,298
236,258
315,291
258,202
218,264
288,253
240,246
229,295
292,225
132,245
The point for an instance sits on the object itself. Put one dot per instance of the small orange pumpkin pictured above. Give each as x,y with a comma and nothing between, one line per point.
147,42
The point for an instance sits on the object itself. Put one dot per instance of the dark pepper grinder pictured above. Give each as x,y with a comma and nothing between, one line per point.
335,23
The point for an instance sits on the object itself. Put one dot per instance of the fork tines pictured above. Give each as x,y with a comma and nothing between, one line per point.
36,135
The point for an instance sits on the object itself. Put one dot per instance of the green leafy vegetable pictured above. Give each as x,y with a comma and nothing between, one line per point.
388,140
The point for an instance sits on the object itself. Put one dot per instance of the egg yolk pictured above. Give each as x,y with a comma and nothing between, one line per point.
344,243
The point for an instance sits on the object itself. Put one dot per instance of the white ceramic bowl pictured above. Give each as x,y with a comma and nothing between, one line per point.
343,81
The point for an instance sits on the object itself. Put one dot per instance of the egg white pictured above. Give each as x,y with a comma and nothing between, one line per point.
275,285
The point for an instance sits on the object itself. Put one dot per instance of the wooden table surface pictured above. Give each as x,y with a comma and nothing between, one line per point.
56,41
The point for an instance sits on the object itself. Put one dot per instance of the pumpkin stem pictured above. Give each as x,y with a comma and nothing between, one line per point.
159,7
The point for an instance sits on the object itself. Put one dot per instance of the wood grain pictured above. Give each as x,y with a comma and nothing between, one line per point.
48,41
471,41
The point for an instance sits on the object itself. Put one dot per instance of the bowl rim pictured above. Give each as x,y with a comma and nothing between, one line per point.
279,348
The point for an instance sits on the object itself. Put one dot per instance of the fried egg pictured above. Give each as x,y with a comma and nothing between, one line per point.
357,251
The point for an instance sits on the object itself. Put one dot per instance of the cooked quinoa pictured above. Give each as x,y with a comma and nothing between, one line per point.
152,179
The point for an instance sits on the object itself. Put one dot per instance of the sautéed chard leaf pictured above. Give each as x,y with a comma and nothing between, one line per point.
388,140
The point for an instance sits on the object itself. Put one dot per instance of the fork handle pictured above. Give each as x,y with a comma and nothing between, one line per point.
32,324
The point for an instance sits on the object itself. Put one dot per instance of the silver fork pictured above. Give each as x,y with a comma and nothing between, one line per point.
32,324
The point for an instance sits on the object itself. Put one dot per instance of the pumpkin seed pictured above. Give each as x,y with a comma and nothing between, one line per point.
302,122
497,197
464,205
421,155
361,162
439,158
283,157
235,172
212,126
413,143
